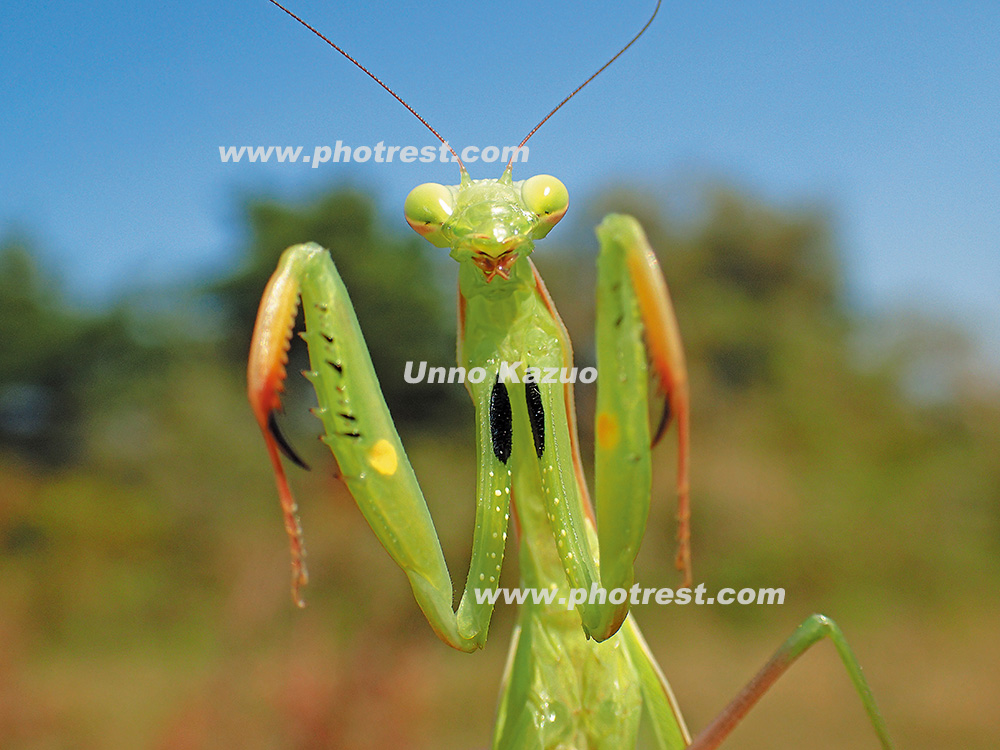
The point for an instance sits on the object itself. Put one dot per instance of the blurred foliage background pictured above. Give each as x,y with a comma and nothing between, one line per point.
144,573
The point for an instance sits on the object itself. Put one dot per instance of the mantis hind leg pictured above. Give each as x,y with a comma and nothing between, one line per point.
810,632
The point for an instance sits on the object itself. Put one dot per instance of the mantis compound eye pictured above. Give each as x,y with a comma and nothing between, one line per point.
427,208
547,198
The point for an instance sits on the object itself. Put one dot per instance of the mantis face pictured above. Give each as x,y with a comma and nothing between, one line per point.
490,223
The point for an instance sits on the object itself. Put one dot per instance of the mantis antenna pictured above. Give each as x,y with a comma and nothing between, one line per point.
577,89
426,124
375,78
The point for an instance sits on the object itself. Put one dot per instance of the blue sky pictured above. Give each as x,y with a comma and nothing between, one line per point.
885,114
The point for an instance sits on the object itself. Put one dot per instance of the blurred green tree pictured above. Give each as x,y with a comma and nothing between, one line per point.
52,356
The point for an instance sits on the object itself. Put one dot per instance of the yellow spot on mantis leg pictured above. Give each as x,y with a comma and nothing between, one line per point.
607,430
382,457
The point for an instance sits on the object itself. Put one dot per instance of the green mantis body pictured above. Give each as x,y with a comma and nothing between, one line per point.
577,677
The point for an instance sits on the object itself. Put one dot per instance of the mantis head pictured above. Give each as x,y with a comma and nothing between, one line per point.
490,223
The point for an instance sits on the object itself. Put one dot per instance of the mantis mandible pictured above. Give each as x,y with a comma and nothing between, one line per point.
575,678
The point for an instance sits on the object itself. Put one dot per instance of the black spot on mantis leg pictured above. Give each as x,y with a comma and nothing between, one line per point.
283,444
336,366
536,414
327,336
500,421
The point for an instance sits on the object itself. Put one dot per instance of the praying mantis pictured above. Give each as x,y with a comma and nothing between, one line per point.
579,676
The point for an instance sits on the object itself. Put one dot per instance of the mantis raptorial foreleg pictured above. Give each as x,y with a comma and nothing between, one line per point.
363,438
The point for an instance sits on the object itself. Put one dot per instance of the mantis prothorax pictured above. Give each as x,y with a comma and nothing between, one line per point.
578,678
